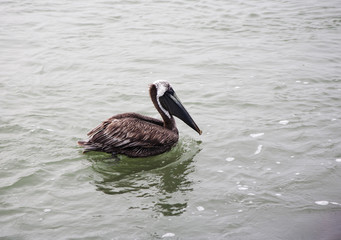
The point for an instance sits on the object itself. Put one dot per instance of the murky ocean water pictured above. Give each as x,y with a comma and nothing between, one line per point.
262,79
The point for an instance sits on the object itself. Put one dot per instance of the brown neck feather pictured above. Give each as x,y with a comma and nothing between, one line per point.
169,123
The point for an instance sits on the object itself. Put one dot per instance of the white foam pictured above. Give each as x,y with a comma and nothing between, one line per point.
200,208
322,203
243,188
168,235
338,160
259,149
283,122
46,210
229,159
256,135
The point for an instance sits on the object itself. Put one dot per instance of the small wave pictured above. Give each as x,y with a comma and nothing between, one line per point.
28,178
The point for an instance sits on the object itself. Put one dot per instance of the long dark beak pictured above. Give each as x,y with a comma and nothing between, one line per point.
172,103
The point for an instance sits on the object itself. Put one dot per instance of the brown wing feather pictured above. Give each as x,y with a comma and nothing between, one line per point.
132,134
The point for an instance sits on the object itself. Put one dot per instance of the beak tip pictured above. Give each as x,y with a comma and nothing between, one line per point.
200,132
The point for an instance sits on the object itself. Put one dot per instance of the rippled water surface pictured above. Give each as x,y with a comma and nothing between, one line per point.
262,79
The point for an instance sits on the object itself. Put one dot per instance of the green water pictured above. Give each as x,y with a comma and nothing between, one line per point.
261,79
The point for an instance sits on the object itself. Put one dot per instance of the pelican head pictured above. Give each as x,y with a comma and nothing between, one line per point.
171,105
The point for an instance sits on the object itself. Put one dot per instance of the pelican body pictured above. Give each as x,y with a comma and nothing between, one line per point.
135,135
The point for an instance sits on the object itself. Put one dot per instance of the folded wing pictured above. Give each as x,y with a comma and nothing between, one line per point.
131,134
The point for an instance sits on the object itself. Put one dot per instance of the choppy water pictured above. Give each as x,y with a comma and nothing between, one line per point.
261,78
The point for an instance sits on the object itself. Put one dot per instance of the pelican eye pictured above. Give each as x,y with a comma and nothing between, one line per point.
170,91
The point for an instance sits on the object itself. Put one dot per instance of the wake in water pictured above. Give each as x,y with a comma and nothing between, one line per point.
134,174
160,178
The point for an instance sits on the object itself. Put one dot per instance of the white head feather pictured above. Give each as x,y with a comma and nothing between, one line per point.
161,87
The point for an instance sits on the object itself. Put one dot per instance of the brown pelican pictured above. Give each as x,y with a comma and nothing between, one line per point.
136,135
